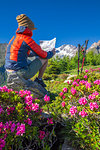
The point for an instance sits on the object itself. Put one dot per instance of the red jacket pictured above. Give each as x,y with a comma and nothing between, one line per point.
20,47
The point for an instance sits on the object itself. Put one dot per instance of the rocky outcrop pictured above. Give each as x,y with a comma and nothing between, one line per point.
66,146
3,47
2,75
69,78
17,83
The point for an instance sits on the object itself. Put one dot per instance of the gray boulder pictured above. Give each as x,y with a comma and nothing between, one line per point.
66,146
17,83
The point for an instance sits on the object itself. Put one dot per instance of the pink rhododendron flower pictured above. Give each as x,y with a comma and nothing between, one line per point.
50,121
61,93
29,121
4,89
20,129
16,92
8,125
95,93
85,76
28,108
27,92
93,105
82,101
28,100
46,98
73,110
82,82
2,144
18,124
75,83
63,97
73,91
10,90
86,71
68,82
97,82
78,80
65,90
35,106
63,104
83,113
1,126
87,84
93,96
22,93
5,136
42,135
1,110
13,127
74,80
0,88
10,110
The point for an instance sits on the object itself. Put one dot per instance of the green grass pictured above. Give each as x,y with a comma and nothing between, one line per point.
75,72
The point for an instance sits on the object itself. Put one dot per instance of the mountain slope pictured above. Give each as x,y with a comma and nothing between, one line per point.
95,47
66,50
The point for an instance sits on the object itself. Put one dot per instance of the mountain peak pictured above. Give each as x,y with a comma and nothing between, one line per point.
66,50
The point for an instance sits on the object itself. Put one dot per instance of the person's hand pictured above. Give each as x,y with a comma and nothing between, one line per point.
53,51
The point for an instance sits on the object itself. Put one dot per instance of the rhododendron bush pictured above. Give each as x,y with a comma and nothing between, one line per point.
21,123
79,101
76,107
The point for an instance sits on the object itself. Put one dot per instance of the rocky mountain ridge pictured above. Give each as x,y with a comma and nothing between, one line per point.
66,50
95,46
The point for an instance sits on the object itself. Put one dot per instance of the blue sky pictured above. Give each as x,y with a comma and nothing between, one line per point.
70,21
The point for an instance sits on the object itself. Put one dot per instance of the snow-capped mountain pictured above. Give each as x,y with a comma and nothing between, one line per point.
66,50
95,46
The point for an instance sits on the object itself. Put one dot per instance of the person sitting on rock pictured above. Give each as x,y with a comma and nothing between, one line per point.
22,46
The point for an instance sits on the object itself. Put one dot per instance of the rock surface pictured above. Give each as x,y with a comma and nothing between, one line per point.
65,146
69,78
17,83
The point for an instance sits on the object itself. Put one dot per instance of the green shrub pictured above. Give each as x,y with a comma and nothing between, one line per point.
60,65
